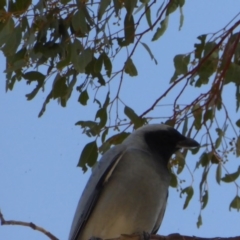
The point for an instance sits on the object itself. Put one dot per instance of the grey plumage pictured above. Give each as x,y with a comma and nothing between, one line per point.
128,189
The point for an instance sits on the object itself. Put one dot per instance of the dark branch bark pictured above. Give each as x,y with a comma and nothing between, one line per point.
174,236
27,224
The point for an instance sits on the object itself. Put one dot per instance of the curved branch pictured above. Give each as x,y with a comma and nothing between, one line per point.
27,224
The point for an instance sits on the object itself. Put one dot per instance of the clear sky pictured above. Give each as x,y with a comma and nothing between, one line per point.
39,180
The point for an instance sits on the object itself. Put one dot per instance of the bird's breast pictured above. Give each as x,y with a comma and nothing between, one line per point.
131,199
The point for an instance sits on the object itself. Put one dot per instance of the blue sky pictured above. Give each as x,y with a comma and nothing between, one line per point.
40,182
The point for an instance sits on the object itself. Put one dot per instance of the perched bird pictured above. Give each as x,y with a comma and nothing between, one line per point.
128,189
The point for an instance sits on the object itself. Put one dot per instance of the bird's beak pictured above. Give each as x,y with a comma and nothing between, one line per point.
188,143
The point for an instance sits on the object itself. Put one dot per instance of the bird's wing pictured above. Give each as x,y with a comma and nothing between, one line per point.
160,217
101,173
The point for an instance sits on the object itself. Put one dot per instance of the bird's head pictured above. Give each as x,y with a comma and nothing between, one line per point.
162,139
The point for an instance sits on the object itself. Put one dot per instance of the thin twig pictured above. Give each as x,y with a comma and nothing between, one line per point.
27,224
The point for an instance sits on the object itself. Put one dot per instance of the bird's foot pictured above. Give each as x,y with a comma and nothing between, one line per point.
146,235
137,236
95,238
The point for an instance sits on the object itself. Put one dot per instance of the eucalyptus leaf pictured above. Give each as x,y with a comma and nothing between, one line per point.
88,156
189,191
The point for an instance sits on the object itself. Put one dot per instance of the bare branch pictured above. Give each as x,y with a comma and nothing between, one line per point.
27,224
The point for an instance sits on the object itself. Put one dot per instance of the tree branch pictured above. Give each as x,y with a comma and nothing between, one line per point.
174,236
140,236
27,224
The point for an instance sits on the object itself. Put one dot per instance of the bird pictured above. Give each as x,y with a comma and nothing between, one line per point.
128,189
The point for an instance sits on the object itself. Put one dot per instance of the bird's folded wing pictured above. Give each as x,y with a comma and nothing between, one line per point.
160,217
101,173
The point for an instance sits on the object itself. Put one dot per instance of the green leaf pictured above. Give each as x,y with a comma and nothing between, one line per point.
70,83
83,98
59,87
149,52
2,4
104,134
204,159
148,15
135,119
140,8
102,8
101,79
118,138
81,61
218,142
130,68
20,6
19,56
65,1
231,177
98,64
172,6
174,181
197,114
199,222
208,115
130,5
181,18
160,31
181,62
117,6
129,29
79,23
47,100
90,128
34,92
24,24
235,204
181,161
114,140
219,173
34,76
238,123
84,59
107,100
170,122
209,46
238,146
65,61
204,199
209,65
6,31
237,94
214,158
88,156
102,115
39,7
102,112
13,42
104,147
90,68
199,47
159,9
181,3
220,132
185,126
189,191
204,178
107,64
195,150
76,47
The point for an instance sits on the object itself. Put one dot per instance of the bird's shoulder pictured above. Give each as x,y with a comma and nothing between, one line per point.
90,194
